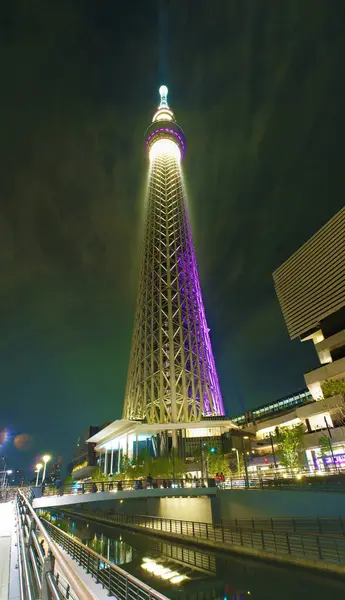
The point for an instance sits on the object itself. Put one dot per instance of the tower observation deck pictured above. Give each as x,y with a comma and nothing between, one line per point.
172,376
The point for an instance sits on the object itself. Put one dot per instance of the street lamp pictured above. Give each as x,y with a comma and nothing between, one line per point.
238,461
38,469
45,458
245,437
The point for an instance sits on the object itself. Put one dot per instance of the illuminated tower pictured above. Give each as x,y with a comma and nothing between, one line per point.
172,375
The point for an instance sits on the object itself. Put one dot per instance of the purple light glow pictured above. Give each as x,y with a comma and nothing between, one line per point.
189,282
169,131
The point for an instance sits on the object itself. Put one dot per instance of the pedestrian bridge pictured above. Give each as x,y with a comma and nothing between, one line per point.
54,500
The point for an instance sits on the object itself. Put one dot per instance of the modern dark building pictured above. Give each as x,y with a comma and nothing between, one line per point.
84,460
310,287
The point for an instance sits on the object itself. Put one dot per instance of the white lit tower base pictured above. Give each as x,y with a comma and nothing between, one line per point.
172,376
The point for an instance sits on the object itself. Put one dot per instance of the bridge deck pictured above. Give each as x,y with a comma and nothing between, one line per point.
68,499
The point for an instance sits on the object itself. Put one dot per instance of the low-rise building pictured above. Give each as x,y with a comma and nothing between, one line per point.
321,421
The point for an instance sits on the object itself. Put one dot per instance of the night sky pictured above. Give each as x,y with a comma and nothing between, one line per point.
258,87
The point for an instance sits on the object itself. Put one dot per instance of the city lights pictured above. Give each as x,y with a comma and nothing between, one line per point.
46,458
38,469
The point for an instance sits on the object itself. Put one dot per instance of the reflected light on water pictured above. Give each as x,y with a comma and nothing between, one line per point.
159,570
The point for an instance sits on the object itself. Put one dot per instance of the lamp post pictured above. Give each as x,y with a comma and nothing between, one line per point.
273,452
38,469
245,437
238,461
45,458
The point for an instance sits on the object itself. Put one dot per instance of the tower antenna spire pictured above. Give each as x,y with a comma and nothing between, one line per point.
163,91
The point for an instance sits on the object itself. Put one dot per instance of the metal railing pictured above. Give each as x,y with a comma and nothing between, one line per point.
321,525
306,482
120,485
49,576
311,546
8,493
43,575
115,580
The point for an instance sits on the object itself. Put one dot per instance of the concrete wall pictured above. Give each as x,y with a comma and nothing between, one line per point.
188,509
260,503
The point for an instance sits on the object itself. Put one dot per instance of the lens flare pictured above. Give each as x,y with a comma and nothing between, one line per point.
23,442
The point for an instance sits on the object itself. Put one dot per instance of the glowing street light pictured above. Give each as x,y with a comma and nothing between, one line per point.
38,469
45,458
238,462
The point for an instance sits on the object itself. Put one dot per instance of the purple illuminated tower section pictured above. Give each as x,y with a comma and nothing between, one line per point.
172,376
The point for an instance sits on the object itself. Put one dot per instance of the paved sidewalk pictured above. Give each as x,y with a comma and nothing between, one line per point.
6,531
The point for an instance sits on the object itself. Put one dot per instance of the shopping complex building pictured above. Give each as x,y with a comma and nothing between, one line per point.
310,287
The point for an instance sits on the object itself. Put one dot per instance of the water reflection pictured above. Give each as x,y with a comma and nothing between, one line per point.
189,573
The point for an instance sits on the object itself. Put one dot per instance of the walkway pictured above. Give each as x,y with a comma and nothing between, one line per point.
78,498
9,585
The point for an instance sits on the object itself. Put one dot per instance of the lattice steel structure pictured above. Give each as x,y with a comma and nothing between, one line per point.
172,375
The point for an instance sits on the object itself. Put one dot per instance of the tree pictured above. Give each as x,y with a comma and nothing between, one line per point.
213,460
332,387
290,446
97,474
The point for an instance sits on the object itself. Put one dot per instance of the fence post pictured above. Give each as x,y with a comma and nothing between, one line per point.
109,583
97,571
288,542
318,546
342,525
48,567
319,524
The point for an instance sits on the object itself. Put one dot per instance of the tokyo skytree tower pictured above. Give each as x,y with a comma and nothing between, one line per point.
172,376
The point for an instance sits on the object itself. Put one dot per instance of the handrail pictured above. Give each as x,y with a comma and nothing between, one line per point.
78,585
303,480
152,593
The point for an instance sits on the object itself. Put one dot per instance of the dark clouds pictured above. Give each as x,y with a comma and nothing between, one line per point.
258,88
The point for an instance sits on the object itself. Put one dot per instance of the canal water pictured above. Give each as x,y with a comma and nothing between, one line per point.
186,572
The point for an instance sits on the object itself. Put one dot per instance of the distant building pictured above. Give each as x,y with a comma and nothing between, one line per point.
16,477
84,460
310,287
54,473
